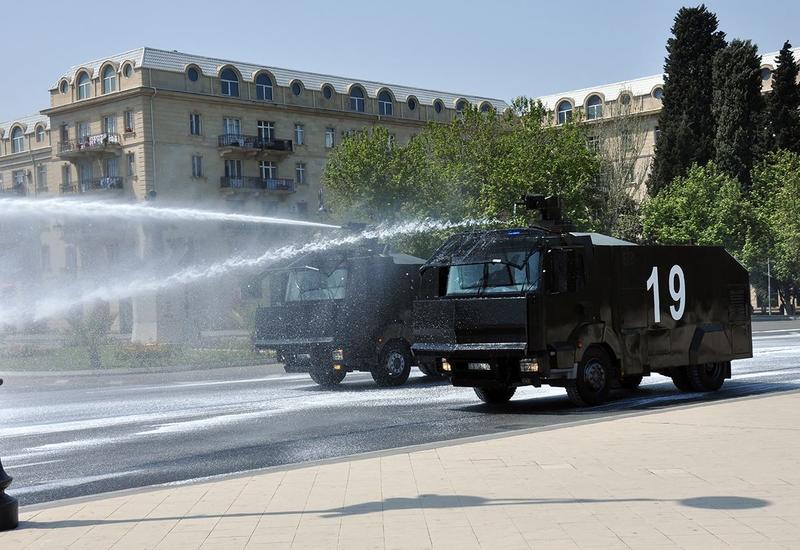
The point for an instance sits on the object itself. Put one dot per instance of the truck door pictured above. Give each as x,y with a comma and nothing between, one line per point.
567,305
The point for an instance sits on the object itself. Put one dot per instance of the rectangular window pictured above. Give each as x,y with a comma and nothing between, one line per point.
268,169
300,172
131,162
19,180
233,168
266,130
64,133
110,124
41,177
197,166
66,177
195,124
112,168
299,134
593,143
83,131
129,126
85,174
232,126
330,134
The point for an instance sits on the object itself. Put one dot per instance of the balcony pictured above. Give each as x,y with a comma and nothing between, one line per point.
98,144
97,184
278,185
254,146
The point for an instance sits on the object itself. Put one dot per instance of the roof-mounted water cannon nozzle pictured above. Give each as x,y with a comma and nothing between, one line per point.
550,210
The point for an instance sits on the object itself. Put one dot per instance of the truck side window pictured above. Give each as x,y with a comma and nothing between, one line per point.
564,270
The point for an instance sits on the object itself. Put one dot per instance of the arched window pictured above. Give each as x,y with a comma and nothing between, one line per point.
39,134
438,106
109,79
63,87
127,70
193,74
412,103
594,107
297,89
230,83
564,111
264,87
461,105
357,99
17,140
766,73
625,98
485,108
327,91
658,93
84,86
385,103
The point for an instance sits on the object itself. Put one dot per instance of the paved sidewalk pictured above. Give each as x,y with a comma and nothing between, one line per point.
715,476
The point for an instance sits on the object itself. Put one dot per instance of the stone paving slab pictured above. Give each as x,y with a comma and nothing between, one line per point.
722,475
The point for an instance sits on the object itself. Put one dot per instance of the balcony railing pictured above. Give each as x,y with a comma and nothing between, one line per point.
89,143
248,182
255,143
101,184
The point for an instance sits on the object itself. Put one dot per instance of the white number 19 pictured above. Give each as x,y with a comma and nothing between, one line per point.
677,290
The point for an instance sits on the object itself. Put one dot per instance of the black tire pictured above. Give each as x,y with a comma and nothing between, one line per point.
326,376
707,377
394,364
680,377
495,396
594,379
631,382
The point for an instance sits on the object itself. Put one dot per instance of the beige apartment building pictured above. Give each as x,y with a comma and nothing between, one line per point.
623,118
173,128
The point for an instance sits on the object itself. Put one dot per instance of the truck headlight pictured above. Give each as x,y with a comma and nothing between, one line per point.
529,365
338,355
446,367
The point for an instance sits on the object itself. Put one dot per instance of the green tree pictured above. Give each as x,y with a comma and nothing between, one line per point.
776,226
783,117
90,329
737,104
706,207
686,123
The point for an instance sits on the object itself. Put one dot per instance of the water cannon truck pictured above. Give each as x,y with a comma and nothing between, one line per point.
504,308
342,310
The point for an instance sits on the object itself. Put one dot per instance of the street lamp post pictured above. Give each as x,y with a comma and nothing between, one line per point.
9,507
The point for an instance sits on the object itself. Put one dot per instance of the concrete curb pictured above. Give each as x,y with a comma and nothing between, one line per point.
389,452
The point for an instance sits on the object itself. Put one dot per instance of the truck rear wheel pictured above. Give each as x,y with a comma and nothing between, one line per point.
594,374
680,377
394,364
326,376
707,377
495,396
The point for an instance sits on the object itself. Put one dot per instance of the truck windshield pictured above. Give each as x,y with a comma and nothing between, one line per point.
512,272
308,284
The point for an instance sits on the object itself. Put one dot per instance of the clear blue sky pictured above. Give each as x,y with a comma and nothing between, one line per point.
500,49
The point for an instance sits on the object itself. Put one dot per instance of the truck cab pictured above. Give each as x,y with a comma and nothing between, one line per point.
501,309
342,310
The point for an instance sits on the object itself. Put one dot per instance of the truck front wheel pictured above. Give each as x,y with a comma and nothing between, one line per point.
592,383
680,377
495,396
707,377
326,376
394,364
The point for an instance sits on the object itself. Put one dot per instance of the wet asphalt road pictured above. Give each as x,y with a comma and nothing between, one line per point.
67,436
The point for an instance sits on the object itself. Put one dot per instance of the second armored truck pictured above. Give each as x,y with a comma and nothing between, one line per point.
343,310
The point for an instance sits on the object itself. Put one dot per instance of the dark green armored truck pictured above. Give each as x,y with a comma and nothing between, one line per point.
506,308
342,310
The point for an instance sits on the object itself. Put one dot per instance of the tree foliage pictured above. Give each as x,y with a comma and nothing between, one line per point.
783,103
737,106
686,122
705,207
478,166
